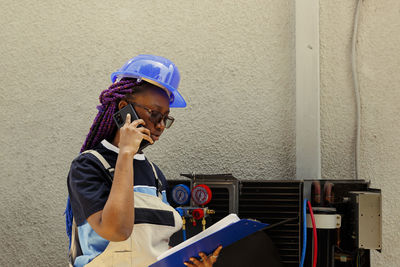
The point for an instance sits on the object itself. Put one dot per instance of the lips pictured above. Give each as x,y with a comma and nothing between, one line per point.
155,137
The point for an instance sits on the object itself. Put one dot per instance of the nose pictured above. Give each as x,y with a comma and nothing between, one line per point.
160,125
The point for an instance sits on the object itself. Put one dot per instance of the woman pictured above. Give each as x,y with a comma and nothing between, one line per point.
118,226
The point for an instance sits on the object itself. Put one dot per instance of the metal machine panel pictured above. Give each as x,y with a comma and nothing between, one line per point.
369,210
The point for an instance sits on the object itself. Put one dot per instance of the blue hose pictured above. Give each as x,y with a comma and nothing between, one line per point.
182,213
184,235
303,249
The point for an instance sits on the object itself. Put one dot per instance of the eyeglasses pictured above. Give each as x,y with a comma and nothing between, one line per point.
156,116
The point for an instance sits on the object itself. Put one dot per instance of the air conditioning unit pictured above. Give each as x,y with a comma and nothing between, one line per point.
280,203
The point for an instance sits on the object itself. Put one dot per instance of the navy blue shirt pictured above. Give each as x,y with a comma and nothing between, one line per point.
89,185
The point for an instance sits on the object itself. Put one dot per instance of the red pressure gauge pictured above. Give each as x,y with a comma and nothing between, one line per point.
201,194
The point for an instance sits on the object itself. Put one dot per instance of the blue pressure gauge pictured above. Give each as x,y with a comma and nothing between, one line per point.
181,194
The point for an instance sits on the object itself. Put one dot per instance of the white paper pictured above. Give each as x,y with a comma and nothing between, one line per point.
231,218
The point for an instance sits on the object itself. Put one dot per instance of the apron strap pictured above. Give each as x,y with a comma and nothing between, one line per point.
103,161
158,182
75,249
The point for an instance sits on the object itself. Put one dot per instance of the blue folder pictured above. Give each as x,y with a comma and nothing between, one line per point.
226,236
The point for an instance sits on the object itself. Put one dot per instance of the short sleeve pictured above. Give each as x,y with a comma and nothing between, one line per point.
88,186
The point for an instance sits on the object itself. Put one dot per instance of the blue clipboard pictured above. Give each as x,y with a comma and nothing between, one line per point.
226,236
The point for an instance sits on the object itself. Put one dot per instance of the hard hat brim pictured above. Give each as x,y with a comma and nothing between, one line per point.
177,98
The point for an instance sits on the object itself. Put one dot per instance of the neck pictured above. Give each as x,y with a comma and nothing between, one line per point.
115,141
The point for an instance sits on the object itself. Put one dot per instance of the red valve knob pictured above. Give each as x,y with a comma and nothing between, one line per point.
198,214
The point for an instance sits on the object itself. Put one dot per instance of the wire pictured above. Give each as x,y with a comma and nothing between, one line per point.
183,228
356,90
314,234
303,249
184,235
358,258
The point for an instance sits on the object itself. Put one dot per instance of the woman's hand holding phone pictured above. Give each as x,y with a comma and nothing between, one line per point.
131,135
115,222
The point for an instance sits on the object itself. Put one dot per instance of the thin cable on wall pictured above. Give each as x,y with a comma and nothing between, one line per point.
356,90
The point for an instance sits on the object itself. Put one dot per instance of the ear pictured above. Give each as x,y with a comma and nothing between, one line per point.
122,104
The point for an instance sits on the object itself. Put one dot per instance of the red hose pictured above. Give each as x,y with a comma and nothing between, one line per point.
314,234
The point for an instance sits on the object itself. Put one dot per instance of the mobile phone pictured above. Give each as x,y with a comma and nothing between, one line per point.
120,117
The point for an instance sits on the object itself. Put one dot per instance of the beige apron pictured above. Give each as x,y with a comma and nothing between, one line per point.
147,240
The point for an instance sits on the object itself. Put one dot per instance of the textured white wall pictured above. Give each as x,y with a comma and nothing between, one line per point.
237,66
379,64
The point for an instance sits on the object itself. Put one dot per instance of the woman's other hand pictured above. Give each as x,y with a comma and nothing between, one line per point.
206,261
131,135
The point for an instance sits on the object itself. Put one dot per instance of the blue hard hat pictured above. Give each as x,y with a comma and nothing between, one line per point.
156,70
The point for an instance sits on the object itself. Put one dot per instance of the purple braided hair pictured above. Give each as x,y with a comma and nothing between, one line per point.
103,125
